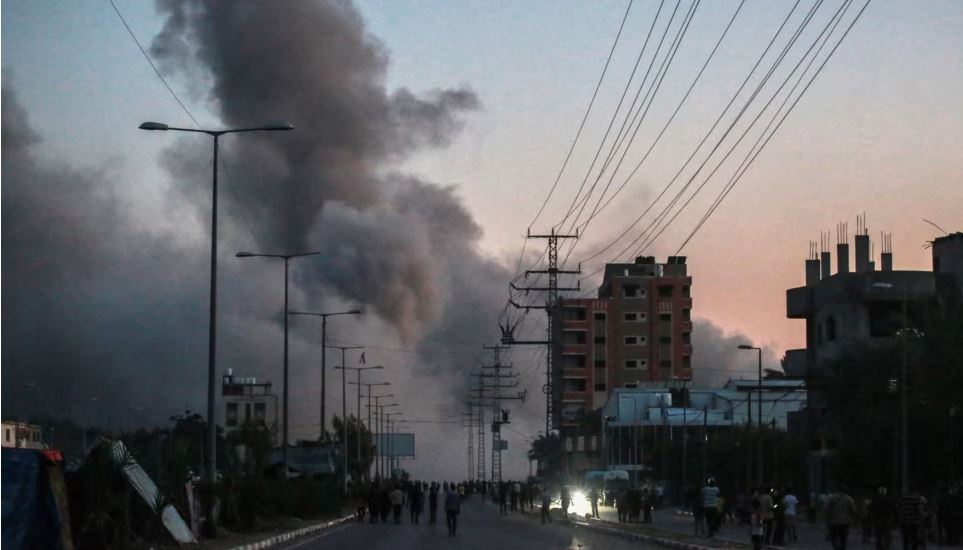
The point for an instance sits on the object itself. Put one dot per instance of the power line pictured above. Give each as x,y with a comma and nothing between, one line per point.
791,107
584,118
614,116
227,175
705,137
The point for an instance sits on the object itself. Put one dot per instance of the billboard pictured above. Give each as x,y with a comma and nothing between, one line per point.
395,445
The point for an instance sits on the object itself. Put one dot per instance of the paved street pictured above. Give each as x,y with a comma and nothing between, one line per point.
479,528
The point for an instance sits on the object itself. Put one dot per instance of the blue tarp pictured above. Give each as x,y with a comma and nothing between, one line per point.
30,518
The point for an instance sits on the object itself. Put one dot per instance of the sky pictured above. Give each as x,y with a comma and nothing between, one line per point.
441,180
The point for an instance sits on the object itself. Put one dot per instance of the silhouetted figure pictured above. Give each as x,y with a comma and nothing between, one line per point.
397,499
433,502
452,508
546,506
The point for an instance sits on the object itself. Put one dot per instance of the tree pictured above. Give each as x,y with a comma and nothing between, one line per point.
355,469
547,450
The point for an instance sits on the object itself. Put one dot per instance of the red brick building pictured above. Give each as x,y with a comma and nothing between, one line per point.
638,330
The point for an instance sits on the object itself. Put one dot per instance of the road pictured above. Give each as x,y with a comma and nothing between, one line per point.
479,528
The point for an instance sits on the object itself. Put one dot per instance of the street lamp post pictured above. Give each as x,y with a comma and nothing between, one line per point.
344,413
359,370
212,322
370,429
284,390
377,412
904,425
391,443
759,410
382,428
324,337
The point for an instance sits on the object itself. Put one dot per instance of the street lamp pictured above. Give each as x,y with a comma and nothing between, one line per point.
904,425
359,370
212,323
391,443
344,413
284,389
759,410
324,336
379,410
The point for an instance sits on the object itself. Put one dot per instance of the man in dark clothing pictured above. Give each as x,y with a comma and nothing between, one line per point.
433,501
909,510
593,497
546,506
882,512
514,497
502,499
452,508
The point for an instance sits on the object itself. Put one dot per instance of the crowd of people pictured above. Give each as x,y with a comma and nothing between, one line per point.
390,498
771,514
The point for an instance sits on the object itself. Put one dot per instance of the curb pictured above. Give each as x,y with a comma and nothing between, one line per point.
291,535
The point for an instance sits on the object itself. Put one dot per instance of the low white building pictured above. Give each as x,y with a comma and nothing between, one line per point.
22,435
244,400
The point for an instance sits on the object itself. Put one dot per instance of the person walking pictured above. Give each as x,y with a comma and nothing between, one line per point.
433,502
593,497
622,504
514,496
757,530
452,508
698,512
397,499
546,505
710,494
766,508
840,515
566,498
910,511
416,501
882,512
789,504
502,498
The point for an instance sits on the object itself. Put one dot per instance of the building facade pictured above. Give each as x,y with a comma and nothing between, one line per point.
246,401
21,435
637,330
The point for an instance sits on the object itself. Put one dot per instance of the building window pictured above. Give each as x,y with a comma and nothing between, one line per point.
831,329
632,291
231,416
687,361
260,413
687,314
685,291
600,363
632,363
666,364
599,316
599,340
573,337
631,385
686,337
573,313
573,361
634,340
574,384
633,316
600,387
665,339
666,317
665,291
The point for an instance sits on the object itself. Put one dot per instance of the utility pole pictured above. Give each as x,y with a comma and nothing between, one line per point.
495,383
550,306
477,400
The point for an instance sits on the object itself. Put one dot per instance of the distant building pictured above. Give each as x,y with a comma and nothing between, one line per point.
637,330
22,435
632,418
247,401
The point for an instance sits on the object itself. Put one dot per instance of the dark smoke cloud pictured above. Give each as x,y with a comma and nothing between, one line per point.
717,358
89,321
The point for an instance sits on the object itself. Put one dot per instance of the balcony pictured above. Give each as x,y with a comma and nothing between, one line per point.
799,302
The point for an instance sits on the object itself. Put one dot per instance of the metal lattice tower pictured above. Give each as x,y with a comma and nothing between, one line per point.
551,303
498,382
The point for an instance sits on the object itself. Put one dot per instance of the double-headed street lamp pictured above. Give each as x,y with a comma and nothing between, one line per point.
391,442
324,336
344,409
382,441
284,390
212,322
759,465
359,370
